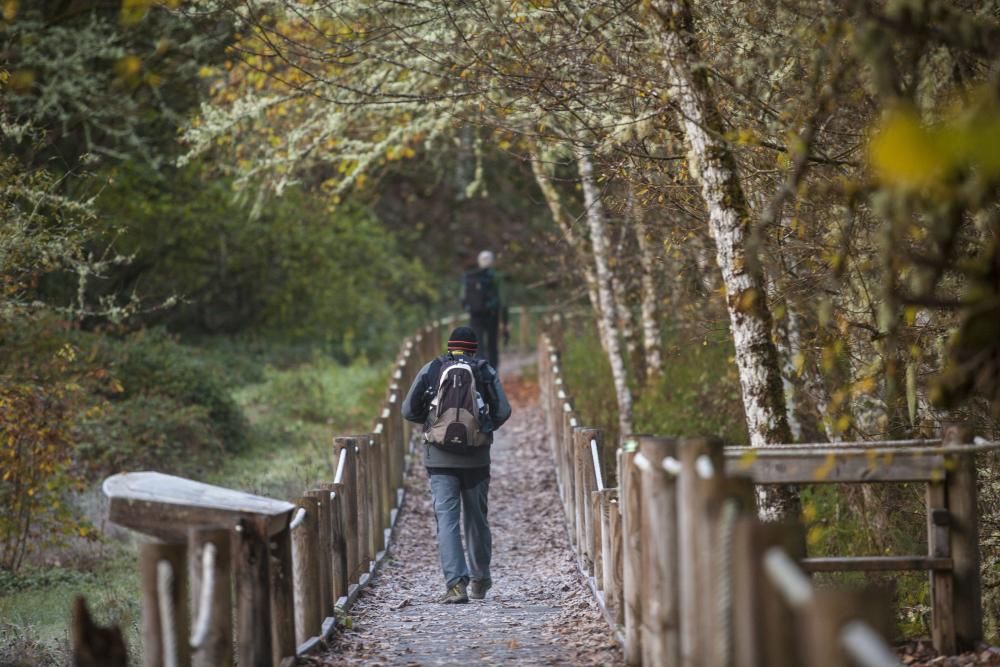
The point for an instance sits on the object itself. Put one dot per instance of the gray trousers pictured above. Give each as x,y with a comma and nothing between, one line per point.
460,497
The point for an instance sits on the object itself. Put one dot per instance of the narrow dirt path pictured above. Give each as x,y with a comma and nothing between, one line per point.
539,611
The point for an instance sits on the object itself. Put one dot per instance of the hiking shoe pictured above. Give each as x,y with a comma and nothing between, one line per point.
478,588
456,595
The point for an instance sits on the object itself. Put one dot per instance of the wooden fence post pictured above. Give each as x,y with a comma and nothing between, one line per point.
349,506
631,504
830,611
306,557
701,462
964,537
587,485
376,455
253,597
659,639
388,493
764,629
282,596
397,445
615,586
319,500
164,566
941,582
363,499
567,463
340,575
215,647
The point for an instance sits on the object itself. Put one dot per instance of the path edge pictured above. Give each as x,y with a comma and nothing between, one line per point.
343,605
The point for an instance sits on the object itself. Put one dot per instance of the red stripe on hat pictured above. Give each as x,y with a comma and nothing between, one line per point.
463,344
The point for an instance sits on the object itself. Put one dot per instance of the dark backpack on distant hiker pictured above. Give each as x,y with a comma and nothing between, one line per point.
457,412
481,292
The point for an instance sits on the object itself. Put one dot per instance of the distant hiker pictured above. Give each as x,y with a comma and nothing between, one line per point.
460,402
484,300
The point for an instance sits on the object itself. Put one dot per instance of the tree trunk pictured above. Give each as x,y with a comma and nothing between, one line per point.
651,336
563,222
713,165
606,313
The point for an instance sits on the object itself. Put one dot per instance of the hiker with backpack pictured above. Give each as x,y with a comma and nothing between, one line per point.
460,402
483,299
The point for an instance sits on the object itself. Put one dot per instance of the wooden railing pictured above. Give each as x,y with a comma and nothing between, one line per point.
688,575
267,575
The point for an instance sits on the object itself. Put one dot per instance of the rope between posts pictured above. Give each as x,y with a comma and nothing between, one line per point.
788,578
724,636
205,609
298,519
865,646
597,464
165,602
339,477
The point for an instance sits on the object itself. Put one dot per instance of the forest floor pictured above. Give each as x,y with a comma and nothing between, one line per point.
539,611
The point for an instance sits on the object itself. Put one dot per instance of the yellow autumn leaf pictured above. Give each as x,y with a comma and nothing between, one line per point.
826,468
905,153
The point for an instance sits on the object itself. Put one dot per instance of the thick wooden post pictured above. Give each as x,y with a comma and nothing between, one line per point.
964,536
701,462
253,594
306,557
604,569
587,485
939,520
164,565
375,459
631,506
830,611
764,629
567,463
581,498
216,646
349,505
615,588
340,580
363,495
397,441
388,492
282,596
660,638
598,525
319,500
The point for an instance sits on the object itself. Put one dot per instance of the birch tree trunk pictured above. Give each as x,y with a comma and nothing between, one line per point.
649,313
563,222
606,313
626,321
713,165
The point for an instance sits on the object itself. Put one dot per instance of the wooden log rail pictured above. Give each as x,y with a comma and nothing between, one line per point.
687,575
292,567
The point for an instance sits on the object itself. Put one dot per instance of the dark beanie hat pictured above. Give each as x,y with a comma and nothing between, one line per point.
464,339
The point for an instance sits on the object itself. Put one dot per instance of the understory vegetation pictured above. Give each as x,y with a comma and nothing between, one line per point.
698,395
234,413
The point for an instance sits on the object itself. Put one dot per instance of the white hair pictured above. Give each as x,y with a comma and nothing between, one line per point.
486,259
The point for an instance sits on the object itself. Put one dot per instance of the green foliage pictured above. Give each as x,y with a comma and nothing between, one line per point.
97,85
292,413
698,393
36,457
297,271
168,407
